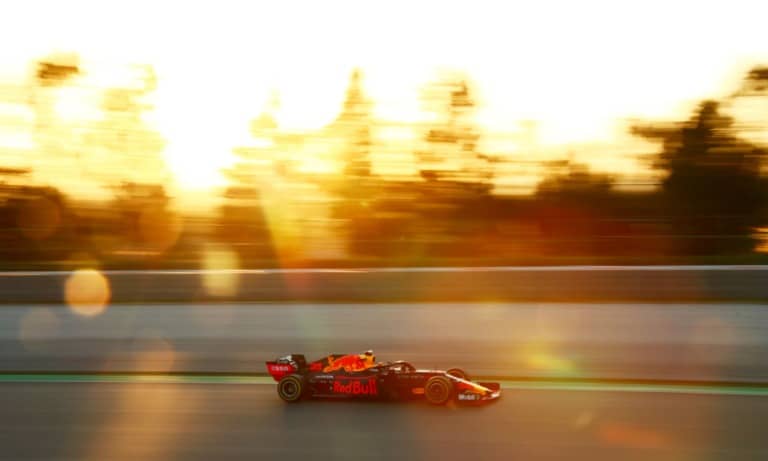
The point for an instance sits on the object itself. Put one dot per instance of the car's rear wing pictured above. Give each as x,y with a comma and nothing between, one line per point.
279,370
287,365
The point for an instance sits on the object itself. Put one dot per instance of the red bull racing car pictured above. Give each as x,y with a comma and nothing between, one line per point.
360,376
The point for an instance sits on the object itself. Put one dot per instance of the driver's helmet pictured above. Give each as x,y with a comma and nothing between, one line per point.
368,357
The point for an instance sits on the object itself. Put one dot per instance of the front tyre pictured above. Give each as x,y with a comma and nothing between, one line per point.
438,390
291,388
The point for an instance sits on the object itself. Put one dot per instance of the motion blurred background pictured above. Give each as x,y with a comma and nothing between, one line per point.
137,135
571,196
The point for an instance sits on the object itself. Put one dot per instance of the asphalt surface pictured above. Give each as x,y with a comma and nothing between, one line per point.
689,342
45,421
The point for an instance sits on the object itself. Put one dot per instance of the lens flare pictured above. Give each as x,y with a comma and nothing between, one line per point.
550,364
584,419
220,277
159,229
156,354
87,292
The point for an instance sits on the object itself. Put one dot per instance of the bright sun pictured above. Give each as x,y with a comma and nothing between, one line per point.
575,68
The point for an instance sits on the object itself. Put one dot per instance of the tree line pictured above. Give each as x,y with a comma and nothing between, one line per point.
711,203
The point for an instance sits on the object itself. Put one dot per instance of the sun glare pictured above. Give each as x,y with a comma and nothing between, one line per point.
196,171
575,77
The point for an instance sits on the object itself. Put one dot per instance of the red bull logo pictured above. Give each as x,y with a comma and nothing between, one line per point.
349,363
356,387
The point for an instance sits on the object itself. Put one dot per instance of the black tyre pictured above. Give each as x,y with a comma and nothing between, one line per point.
459,373
291,388
438,390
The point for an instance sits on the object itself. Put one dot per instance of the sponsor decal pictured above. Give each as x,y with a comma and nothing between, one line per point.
281,368
468,396
365,386
418,390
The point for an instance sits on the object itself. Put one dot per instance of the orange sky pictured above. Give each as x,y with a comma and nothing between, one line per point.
578,68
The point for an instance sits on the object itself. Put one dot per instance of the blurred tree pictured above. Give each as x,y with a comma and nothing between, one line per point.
37,225
57,69
713,189
51,76
92,136
354,191
456,191
145,224
242,225
568,179
749,106
574,209
433,217
241,222
123,146
122,152
755,82
354,125
451,140
95,135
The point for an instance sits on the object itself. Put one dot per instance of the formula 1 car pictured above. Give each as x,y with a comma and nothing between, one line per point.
360,376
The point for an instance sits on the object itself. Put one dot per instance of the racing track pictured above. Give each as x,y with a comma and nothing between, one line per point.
79,421
203,420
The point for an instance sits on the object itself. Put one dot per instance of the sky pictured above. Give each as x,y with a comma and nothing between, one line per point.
579,68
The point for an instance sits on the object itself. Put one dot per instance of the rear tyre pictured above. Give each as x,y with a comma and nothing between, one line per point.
459,373
291,388
438,390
